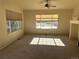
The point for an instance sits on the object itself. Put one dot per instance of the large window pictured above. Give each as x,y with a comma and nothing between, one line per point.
47,21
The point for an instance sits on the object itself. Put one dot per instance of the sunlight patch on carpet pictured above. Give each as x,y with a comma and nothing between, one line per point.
47,41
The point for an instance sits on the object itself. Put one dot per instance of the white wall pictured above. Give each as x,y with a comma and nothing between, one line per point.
5,37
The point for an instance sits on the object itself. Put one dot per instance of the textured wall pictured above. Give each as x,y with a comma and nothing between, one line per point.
64,19
5,37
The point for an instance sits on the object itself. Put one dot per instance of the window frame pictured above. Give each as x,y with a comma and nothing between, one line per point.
47,21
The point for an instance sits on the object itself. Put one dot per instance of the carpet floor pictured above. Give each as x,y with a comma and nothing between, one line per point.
41,49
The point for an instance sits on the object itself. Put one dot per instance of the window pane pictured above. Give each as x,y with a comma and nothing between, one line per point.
52,17
47,25
37,25
37,16
38,19
54,25
13,25
47,21
55,16
46,16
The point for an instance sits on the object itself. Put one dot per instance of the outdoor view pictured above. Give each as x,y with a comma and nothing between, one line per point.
47,25
46,21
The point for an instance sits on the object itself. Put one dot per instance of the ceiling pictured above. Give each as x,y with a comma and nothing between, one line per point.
35,4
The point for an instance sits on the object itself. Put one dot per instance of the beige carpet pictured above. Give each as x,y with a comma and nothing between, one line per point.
22,49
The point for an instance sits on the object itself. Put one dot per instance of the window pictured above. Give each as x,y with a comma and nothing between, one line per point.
13,25
13,21
47,21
